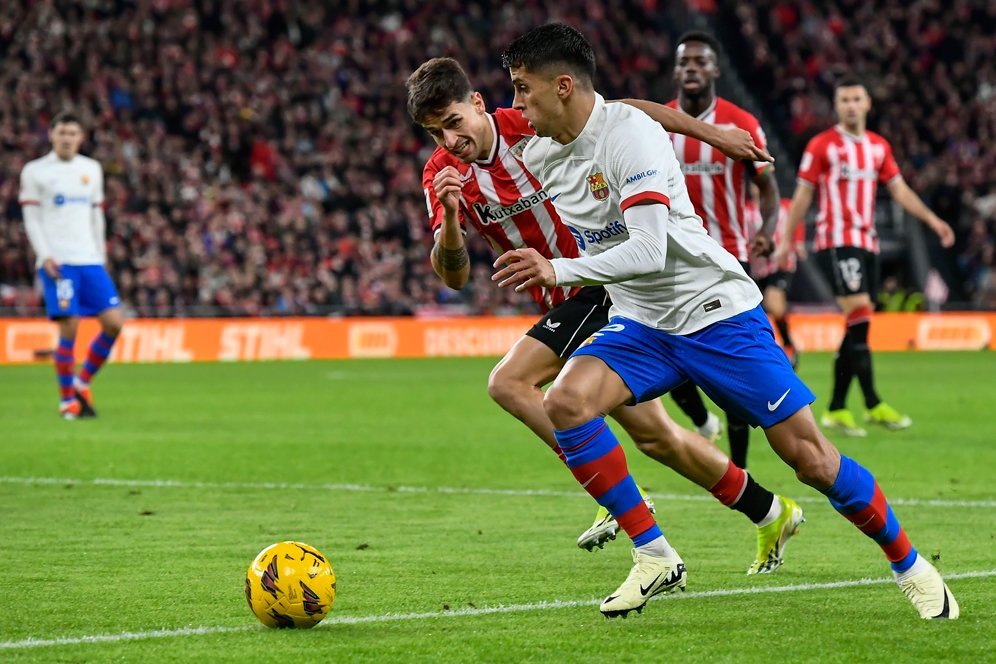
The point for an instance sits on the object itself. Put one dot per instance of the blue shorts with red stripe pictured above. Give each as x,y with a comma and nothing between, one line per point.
736,362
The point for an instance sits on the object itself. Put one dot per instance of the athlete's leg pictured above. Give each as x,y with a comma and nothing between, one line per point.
739,434
515,384
111,322
719,355
576,402
65,365
662,439
696,459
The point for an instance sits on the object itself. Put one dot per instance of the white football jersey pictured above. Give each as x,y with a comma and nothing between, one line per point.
620,159
66,193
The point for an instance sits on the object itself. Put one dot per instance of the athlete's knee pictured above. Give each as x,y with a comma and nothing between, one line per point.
68,327
568,406
504,389
112,327
817,466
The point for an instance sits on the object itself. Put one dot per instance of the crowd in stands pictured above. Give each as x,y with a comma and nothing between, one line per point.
929,68
259,159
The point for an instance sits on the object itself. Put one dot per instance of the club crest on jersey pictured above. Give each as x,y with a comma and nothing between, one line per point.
598,187
520,147
86,179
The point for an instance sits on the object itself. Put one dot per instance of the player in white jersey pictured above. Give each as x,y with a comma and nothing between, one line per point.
683,308
62,201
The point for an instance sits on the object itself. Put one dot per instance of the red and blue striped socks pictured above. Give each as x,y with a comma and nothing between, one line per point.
64,368
99,350
599,465
857,496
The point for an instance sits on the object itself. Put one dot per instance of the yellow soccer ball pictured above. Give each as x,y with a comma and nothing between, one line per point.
290,584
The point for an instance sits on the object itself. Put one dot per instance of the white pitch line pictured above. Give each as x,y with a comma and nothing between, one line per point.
478,491
460,613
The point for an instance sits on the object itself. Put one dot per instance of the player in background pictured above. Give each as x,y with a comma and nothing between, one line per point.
476,177
773,279
682,309
62,201
717,186
843,167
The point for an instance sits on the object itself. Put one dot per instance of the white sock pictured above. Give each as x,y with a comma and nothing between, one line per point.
773,513
918,566
658,548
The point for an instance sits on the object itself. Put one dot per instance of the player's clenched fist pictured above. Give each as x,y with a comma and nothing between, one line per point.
448,186
524,268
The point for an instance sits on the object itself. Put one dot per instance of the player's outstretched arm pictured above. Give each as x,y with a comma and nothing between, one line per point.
735,143
801,200
908,199
449,255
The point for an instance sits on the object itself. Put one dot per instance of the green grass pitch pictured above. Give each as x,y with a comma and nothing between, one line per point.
451,529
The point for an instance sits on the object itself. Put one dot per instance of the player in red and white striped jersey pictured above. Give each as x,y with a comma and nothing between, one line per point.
843,167
717,185
476,177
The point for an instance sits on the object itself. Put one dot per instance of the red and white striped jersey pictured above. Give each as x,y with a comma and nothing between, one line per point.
763,266
717,184
846,170
504,201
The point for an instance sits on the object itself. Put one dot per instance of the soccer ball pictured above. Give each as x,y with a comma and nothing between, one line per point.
290,584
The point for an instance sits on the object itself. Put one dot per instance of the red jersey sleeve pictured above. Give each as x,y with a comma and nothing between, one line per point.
432,204
889,168
813,162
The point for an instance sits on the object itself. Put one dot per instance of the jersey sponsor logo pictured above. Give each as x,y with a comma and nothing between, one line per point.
62,199
597,237
848,172
577,237
639,176
490,214
520,147
703,168
598,187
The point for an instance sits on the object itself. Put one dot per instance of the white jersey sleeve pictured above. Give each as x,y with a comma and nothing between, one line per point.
30,200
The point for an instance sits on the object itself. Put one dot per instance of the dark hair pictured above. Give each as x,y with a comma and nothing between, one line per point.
64,117
436,84
553,44
848,81
700,36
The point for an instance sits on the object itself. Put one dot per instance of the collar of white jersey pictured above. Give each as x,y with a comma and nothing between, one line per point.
496,139
595,119
52,156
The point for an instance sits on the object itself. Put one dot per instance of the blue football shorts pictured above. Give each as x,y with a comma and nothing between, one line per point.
80,290
736,362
